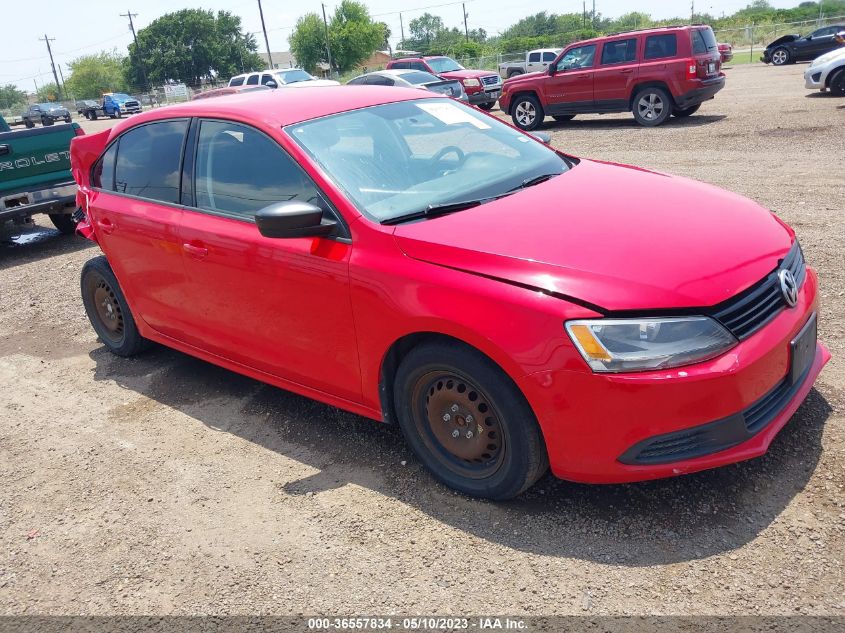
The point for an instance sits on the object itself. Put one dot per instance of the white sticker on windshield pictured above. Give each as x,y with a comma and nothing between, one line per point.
450,114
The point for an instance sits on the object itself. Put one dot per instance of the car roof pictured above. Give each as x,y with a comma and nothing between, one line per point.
653,30
278,108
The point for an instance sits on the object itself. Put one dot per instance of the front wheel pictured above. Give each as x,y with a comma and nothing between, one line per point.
67,119
46,121
108,311
837,84
781,56
678,112
652,106
563,118
29,123
527,113
467,422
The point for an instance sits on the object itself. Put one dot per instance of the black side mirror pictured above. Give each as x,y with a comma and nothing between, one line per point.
552,69
271,84
293,219
543,137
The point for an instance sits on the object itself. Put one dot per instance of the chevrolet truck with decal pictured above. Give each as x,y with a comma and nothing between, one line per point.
35,175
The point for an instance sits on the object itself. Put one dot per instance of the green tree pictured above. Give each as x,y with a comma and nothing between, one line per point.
190,46
424,30
11,97
92,75
47,92
353,37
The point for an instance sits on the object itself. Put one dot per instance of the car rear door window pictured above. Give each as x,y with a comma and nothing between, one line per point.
661,46
533,57
148,160
379,80
252,80
102,176
619,52
239,171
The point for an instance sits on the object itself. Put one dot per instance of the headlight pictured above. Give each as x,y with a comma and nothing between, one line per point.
618,345
471,83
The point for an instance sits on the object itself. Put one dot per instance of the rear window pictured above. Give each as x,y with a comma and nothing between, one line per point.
400,65
659,46
703,41
148,160
419,77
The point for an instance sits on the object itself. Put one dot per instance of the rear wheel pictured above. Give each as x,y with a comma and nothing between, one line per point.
527,113
652,106
108,311
837,83
64,222
514,73
781,56
29,123
46,121
67,119
486,106
678,112
468,422
562,118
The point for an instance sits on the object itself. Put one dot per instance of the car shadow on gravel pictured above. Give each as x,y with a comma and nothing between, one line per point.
23,245
629,122
666,521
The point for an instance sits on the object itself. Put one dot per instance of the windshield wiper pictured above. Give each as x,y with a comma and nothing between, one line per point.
536,180
433,210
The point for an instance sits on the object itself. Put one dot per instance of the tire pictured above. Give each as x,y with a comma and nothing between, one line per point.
781,56
686,111
108,311
514,73
563,118
527,113
467,422
67,119
29,123
93,116
652,106
45,121
837,83
64,222
119,114
87,115
486,106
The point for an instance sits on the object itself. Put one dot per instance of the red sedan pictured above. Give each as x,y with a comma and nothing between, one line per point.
419,262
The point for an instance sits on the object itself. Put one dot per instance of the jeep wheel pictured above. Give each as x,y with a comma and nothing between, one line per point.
781,56
467,421
652,106
527,113
108,311
837,83
678,112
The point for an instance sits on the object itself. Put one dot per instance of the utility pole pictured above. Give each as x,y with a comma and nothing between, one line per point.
821,4
131,15
585,14
466,15
594,14
692,12
55,76
328,46
402,29
266,41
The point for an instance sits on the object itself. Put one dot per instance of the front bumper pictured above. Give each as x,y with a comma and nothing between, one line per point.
813,79
488,95
707,89
591,421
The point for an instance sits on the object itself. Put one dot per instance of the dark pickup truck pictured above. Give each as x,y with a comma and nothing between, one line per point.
35,175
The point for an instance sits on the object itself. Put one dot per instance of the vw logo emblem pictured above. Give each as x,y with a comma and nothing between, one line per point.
788,287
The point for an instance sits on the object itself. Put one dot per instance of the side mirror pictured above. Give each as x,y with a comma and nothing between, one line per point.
543,137
271,84
552,68
293,219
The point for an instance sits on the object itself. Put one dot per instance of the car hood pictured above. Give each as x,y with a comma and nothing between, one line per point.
311,83
524,76
466,74
785,39
612,236
839,53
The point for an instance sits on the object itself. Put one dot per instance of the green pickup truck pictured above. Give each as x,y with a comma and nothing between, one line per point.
35,175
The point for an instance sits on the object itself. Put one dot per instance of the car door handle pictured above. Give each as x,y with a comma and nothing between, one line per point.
195,251
5,149
626,71
107,226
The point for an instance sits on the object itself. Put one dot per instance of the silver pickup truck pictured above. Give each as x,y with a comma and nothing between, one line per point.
535,60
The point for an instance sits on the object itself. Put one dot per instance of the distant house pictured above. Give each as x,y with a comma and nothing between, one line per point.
377,61
282,59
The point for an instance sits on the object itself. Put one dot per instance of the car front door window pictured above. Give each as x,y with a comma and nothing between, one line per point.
577,58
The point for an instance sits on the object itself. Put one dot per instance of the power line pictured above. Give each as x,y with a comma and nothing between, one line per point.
431,6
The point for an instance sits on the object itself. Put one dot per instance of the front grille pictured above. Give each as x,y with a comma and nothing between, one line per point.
719,435
747,312
491,80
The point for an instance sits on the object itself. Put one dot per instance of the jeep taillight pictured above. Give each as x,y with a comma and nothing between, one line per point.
692,69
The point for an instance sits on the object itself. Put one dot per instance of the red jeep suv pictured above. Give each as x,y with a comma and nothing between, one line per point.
482,86
653,73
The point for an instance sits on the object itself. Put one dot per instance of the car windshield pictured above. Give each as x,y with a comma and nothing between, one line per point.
49,106
400,158
294,76
418,77
444,64
120,96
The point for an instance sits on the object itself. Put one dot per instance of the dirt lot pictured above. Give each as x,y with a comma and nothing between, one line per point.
166,485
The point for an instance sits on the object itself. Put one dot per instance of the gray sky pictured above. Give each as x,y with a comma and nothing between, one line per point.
88,26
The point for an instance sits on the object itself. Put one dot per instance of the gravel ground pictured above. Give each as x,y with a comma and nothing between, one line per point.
165,485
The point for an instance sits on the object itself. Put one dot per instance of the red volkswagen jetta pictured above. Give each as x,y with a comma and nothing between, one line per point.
414,260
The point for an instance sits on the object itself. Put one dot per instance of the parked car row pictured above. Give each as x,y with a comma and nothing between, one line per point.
795,48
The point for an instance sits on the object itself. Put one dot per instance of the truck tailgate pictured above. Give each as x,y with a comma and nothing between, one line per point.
35,158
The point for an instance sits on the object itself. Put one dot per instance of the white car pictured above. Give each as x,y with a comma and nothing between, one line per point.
280,78
408,78
828,72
